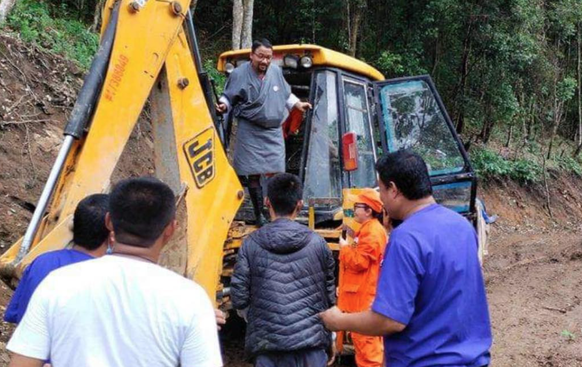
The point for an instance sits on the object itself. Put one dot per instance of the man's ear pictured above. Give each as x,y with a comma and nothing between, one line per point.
267,202
299,205
394,189
170,229
108,222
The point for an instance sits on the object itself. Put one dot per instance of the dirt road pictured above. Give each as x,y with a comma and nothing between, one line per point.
534,286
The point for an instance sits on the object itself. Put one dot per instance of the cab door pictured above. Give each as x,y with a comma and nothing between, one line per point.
412,116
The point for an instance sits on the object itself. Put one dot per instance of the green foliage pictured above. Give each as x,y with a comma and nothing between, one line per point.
218,77
570,165
34,21
489,164
568,335
567,89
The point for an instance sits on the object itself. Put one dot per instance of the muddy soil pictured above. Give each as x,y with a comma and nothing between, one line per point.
533,271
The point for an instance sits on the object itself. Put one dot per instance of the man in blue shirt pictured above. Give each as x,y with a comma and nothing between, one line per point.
430,305
90,238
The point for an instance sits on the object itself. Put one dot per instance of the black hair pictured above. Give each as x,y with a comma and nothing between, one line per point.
89,230
140,210
284,192
375,214
261,42
408,172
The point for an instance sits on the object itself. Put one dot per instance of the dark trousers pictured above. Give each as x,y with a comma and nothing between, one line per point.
300,358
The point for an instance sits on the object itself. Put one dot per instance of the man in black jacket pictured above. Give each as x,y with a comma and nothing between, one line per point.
284,276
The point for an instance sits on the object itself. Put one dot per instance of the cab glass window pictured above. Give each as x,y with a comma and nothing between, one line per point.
414,121
358,121
323,170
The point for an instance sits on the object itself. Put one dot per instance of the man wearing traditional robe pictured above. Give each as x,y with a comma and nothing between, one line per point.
259,97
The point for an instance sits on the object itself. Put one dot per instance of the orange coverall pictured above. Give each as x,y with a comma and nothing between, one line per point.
359,271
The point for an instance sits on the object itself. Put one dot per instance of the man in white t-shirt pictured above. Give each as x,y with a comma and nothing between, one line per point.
123,309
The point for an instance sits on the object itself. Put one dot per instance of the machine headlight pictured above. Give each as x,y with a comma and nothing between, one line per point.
306,62
291,61
228,67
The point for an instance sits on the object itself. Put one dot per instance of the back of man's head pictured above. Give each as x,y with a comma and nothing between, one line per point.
284,192
89,230
140,210
407,171
261,42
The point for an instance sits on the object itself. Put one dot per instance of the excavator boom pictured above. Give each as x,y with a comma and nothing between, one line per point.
150,56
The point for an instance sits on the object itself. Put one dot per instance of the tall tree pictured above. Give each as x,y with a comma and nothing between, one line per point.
237,22
242,24
5,7
356,10
247,25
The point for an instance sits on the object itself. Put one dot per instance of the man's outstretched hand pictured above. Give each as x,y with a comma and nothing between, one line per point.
220,318
303,106
220,107
331,318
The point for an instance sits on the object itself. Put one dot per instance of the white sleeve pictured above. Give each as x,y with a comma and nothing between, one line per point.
224,100
291,101
32,337
201,347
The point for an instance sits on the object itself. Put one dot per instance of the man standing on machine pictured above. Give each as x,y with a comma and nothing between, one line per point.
257,94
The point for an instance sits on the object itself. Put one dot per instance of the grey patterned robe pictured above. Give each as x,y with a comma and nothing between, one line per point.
260,107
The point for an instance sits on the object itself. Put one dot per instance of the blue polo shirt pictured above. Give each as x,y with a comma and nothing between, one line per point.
431,281
34,274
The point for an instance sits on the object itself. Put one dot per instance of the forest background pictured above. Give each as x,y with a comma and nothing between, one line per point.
509,71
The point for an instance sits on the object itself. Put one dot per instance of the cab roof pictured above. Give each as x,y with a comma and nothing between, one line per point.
321,57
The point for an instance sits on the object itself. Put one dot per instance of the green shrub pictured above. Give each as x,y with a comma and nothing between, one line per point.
218,77
571,165
489,164
66,36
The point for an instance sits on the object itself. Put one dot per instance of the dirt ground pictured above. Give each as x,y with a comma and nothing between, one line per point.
533,271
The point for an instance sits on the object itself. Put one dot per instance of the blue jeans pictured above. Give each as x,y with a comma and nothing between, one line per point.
300,358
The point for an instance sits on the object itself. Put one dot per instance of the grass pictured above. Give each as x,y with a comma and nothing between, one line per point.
34,21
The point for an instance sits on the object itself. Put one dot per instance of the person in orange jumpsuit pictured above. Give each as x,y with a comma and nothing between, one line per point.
359,269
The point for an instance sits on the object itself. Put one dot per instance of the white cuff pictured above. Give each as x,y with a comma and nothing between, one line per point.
224,100
291,101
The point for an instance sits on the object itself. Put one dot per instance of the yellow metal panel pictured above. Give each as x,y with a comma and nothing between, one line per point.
214,191
321,57
142,41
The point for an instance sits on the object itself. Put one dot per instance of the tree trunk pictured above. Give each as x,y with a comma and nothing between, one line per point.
579,90
247,25
5,7
237,21
98,16
462,85
509,136
557,120
355,21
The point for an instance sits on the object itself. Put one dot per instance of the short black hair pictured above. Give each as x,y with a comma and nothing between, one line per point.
89,230
408,171
140,209
284,192
261,42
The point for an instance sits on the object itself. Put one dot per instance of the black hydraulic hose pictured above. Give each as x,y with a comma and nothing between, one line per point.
191,32
93,83
80,116
205,81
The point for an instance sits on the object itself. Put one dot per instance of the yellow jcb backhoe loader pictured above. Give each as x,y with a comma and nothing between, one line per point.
149,49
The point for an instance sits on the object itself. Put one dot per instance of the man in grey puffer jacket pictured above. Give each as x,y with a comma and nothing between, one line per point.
284,275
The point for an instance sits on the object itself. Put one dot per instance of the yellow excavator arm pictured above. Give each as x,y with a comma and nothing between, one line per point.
148,49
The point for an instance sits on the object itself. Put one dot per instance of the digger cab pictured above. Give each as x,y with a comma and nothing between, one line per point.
357,116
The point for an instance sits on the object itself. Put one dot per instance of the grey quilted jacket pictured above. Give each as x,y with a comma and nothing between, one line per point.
284,275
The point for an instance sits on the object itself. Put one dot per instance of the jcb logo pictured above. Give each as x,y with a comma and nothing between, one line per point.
200,154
